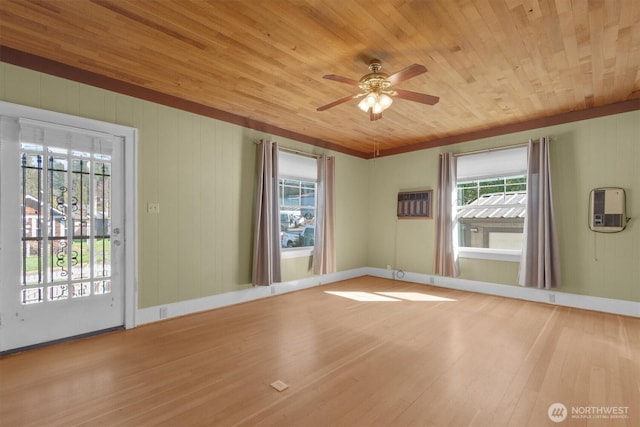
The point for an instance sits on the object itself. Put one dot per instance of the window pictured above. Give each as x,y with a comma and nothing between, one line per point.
297,197
491,203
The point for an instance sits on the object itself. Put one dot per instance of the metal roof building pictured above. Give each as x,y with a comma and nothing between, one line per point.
510,205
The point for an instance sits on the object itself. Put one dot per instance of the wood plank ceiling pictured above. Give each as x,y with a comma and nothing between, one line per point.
497,65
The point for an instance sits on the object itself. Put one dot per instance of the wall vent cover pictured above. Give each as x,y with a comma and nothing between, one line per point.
607,210
415,204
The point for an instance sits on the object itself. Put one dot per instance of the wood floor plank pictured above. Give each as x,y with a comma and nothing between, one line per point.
420,355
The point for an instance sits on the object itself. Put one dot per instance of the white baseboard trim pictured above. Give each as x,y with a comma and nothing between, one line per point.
553,297
182,308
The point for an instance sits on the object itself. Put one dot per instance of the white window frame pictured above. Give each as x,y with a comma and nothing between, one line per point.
300,168
491,164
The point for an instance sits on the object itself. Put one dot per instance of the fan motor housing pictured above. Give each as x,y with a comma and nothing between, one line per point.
374,82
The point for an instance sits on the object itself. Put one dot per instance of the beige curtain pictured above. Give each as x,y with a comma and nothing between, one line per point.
539,263
324,257
446,251
266,243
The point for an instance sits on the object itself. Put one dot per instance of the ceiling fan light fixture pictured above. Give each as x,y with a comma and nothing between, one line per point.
364,105
372,99
385,101
376,102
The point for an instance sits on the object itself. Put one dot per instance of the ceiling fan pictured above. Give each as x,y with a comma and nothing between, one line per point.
376,89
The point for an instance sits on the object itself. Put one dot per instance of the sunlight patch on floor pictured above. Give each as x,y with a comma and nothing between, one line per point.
414,296
387,296
361,296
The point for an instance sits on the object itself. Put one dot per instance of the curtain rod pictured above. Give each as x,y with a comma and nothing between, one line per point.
302,153
488,150
294,151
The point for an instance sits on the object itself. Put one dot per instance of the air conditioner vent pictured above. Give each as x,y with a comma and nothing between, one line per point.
414,204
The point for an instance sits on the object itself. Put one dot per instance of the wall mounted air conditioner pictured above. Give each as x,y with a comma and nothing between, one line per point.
607,210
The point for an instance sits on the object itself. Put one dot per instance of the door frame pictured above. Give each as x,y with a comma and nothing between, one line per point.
130,151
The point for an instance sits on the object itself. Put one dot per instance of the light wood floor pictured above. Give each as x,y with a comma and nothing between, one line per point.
476,360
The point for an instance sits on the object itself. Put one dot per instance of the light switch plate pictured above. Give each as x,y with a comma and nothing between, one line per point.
153,208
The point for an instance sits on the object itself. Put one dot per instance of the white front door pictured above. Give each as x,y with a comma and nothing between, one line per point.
61,231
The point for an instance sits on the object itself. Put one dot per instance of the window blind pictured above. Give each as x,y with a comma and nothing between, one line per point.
294,166
492,164
36,132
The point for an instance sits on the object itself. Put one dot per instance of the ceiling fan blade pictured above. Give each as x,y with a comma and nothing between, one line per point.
341,79
423,98
407,73
338,102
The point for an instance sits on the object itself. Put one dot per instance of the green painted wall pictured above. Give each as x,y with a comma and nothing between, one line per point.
587,154
201,171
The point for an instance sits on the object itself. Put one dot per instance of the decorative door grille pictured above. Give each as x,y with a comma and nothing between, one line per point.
66,230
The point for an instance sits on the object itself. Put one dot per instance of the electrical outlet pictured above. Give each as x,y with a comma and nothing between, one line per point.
163,312
273,290
388,266
552,298
431,280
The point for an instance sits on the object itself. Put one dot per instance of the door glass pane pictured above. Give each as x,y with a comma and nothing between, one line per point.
58,198
80,214
102,287
58,292
32,295
32,269
66,224
81,290
102,219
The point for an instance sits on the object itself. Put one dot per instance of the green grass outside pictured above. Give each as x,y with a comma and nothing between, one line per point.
101,246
